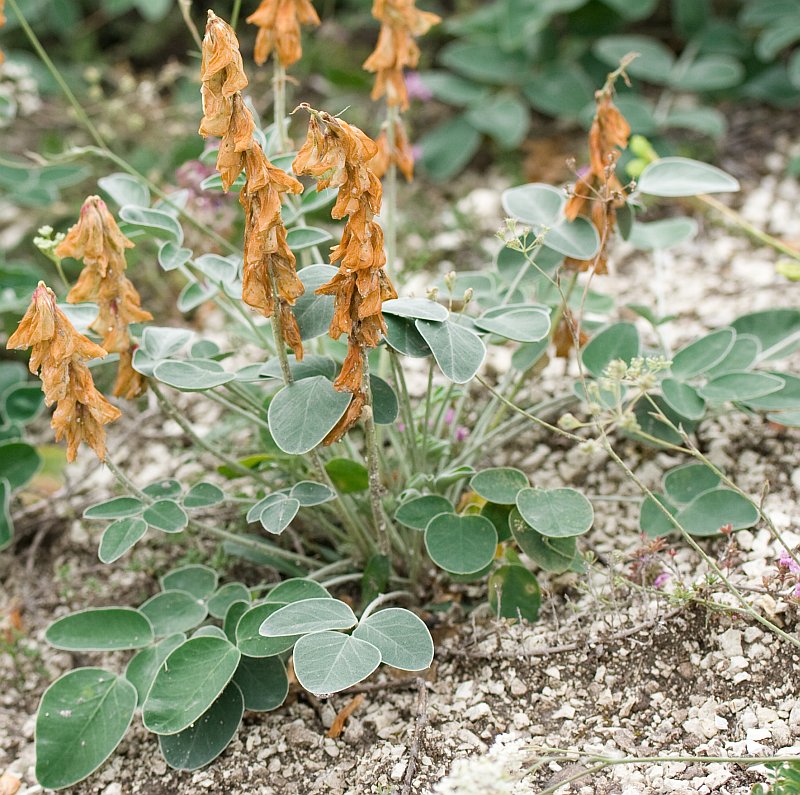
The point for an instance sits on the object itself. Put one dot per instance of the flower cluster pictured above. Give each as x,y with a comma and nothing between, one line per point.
598,193
398,152
269,280
337,155
278,24
59,354
97,241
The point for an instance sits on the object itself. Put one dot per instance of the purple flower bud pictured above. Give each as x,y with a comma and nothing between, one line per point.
662,579
416,87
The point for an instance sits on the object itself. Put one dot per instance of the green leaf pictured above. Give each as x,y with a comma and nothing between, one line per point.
219,270
314,312
578,238
309,615
117,507
119,537
416,513
166,515
514,593
649,424
263,682
82,718
195,375
19,462
458,351
485,62
308,493
708,73
232,617
552,554
173,611
652,521
160,342
278,515
22,403
499,484
742,356
684,399
535,204
255,511
682,484
206,738
225,596
195,294
402,335
188,683
556,513
316,200
203,495
706,121
144,665
520,323
251,642
297,589
125,189
450,88
348,476
461,544
401,637
788,397
327,662
100,629
561,89
160,224
303,413
654,63
498,516
303,237
711,510
6,524
199,581
385,405
617,341
449,147
663,234
503,117
307,368
778,331
680,176
171,256
418,308
740,386
702,354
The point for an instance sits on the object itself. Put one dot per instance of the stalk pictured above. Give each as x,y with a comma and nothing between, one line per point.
279,103
390,222
373,464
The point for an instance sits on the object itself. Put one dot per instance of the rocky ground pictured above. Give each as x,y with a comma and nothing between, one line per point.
612,669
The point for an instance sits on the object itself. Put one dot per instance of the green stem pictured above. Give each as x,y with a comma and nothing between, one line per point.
390,216
248,415
237,6
425,428
279,104
373,465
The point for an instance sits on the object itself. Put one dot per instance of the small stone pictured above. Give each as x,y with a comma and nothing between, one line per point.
730,642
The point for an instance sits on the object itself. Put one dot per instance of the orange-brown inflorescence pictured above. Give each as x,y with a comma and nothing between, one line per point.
98,242
599,193
400,154
337,155
2,22
269,281
59,354
396,49
278,24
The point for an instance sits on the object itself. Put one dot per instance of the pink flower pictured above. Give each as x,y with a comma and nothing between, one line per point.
416,87
797,591
449,415
788,562
461,433
662,579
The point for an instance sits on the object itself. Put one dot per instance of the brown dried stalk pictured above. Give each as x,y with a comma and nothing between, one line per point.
278,24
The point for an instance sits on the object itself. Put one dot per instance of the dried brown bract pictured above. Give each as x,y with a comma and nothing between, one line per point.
338,154
269,277
279,24
400,154
97,241
59,355
396,49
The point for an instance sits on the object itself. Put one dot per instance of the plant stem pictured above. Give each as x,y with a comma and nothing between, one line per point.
186,13
237,6
390,205
381,599
373,465
277,331
248,415
279,103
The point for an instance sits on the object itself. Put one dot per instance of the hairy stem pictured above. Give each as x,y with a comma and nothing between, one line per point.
373,464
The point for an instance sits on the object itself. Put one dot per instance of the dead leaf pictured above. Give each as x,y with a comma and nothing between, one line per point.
337,727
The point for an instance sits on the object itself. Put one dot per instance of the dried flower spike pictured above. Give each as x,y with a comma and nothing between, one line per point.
59,354
338,154
2,22
98,242
396,49
269,281
400,154
278,24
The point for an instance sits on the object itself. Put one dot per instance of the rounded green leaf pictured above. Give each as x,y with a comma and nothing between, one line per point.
578,238
740,386
209,630
199,581
188,683
172,256
21,403
101,629
225,596
521,324
422,308
680,176
348,476
160,224
327,662
195,375
617,341
263,682
219,270
484,61
417,512
160,342
119,537
682,484
401,637
82,718
314,312
208,736
203,495
556,513
163,489
278,515
655,59
535,204
296,590
663,234
232,617
458,351
787,397
499,484
461,544
778,330
742,356
166,515
125,189
385,405
174,611
143,666
6,525
498,516
702,354
402,335
308,493
116,508
303,237
711,510
255,511
552,554
514,593
503,117
683,398
303,413
709,73
19,462
308,615
310,366
652,520
251,642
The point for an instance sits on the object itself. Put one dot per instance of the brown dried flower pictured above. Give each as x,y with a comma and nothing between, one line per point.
338,154
2,22
269,276
396,49
400,154
98,242
279,29
59,354
599,191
